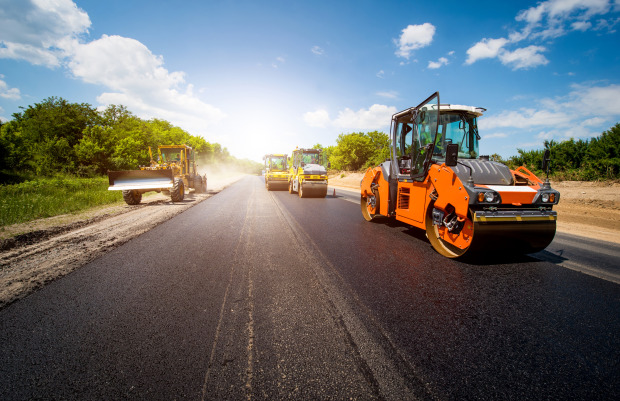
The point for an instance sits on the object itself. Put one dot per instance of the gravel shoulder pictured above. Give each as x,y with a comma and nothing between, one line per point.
35,253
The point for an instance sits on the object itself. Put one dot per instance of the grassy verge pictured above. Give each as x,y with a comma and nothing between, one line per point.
48,197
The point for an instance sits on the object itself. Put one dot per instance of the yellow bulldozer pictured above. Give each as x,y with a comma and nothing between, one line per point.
174,170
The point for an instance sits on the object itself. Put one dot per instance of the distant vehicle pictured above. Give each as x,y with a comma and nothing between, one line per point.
307,176
275,172
174,171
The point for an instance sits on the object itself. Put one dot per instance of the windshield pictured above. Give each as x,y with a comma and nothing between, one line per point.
170,155
277,163
461,129
311,158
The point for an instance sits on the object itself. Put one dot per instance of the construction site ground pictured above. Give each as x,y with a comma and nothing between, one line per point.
35,253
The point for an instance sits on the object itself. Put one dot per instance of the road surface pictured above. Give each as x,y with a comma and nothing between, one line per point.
262,295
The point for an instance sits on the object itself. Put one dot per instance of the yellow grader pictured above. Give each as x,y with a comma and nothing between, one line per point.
174,171
436,181
276,171
307,176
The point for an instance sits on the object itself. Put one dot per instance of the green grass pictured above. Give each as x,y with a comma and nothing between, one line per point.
49,197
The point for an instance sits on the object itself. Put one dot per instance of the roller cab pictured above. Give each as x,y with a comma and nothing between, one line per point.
276,172
437,181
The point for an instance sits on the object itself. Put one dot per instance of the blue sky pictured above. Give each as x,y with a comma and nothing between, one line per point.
265,76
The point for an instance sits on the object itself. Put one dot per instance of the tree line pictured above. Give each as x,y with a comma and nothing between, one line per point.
58,137
590,159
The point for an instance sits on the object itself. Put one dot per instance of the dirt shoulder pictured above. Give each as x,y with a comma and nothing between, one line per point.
586,209
35,253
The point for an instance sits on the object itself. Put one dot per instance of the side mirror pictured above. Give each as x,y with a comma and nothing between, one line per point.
452,154
546,160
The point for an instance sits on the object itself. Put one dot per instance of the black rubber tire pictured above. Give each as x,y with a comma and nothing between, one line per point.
132,197
177,192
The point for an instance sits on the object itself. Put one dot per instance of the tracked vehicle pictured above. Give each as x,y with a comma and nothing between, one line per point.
468,204
174,170
276,171
307,176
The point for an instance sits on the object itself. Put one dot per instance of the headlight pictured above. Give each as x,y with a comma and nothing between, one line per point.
487,197
545,198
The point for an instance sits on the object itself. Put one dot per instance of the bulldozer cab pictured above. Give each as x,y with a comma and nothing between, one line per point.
414,139
180,155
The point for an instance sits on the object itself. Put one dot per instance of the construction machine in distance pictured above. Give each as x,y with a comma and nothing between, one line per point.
174,171
436,181
276,171
307,175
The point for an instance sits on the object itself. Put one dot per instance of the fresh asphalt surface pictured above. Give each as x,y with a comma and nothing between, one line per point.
262,295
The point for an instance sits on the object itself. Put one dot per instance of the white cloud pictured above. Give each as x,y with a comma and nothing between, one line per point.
583,112
526,57
543,22
317,50
414,37
319,118
495,135
375,117
433,65
48,32
389,95
8,93
486,48
38,31
381,74
140,82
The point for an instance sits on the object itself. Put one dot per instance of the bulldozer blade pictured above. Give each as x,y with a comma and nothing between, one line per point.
140,179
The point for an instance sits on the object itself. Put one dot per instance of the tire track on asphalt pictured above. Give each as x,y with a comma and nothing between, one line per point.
241,243
383,365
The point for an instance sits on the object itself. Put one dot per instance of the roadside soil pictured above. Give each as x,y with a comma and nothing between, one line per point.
587,209
38,252
35,253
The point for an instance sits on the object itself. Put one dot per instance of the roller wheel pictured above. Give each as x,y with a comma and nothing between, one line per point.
370,207
290,187
177,193
267,186
132,197
301,191
441,246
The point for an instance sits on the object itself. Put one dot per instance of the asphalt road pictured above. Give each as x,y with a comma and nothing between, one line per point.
262,295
